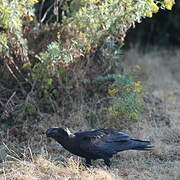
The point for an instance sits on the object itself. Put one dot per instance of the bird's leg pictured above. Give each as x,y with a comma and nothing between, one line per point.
88,162
107,162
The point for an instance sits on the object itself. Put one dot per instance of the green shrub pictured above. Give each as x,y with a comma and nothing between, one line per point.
97,25
87,46
51,65
125,97
13,15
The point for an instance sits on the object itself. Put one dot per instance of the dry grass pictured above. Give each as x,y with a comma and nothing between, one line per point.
42,168
160,124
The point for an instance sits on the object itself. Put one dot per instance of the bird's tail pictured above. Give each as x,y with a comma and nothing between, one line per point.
141,145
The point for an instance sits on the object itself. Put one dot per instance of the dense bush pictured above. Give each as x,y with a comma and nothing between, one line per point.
72,61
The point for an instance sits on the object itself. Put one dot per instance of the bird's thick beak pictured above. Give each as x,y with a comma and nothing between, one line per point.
51,132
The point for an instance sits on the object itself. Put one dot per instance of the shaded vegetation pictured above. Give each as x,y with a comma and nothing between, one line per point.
162,30
53,63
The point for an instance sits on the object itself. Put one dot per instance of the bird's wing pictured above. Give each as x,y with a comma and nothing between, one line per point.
108,135
115,136
101,141
96,147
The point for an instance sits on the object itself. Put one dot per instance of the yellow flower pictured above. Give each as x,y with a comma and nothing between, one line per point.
134,116
137,90
113,112
95,1
137,83
169,4
113,91
110,110
34,1
155,8
149,14
129,8
30,18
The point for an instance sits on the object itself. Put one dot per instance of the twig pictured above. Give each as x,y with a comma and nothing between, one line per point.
45,14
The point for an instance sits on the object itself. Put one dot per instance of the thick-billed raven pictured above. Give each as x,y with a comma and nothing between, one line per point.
96,144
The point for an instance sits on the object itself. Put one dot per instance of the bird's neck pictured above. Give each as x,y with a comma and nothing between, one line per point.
67,142
63,141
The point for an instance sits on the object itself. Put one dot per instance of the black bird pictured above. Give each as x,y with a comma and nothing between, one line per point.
96,144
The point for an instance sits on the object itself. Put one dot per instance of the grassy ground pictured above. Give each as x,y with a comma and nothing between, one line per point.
37,157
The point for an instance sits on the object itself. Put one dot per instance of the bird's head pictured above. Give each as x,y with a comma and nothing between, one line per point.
57,132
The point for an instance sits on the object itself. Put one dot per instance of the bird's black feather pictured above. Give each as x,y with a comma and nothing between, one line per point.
96,144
